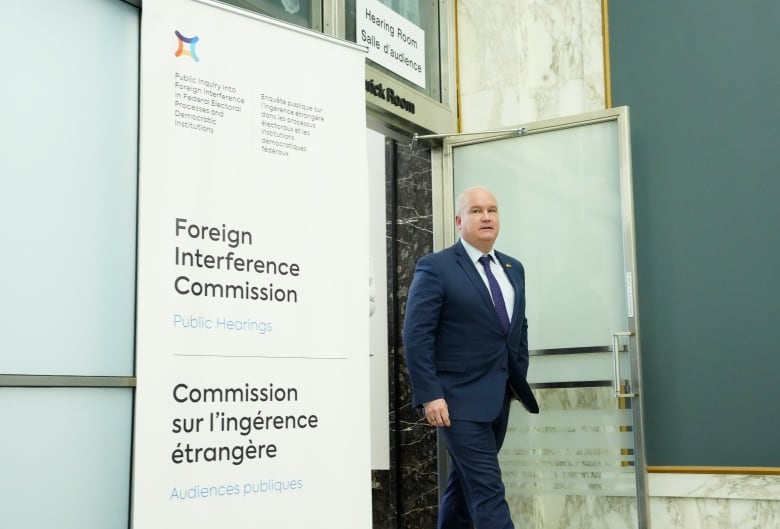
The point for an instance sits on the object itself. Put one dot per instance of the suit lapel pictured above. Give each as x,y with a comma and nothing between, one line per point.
471,271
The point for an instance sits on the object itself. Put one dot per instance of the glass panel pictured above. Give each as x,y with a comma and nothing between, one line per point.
583,367
298,12
66,464
422,13
68,201
572,463
559,197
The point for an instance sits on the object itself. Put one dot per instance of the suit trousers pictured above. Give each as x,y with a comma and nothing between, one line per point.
475,495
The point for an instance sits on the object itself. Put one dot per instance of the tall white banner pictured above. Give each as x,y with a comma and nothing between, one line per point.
252,327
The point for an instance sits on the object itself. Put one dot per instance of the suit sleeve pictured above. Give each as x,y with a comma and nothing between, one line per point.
423,310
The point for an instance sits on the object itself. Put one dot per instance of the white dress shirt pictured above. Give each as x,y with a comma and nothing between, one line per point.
507,290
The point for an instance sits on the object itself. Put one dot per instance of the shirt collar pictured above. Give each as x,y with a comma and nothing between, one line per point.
475,254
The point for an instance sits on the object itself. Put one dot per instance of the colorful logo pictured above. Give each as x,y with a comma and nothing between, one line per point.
192,41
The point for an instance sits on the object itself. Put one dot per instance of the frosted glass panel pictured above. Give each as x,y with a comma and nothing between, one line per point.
559,200
68,197
65,458
573,465
584,367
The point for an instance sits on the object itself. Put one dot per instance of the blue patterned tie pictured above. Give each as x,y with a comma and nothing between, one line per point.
495,291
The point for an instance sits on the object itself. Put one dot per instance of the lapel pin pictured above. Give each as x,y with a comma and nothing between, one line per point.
508,265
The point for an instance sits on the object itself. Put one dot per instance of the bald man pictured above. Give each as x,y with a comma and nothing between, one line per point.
466,344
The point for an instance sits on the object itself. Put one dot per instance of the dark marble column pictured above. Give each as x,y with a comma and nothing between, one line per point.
406,496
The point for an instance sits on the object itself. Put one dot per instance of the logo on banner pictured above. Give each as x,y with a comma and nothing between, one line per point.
192,41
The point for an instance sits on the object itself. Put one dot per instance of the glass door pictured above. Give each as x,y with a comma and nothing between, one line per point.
565,200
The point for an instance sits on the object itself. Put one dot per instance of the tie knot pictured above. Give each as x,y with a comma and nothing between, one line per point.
485,259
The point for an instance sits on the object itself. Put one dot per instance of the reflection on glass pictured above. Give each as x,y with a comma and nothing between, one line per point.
409,9
577,454
422,13
298,12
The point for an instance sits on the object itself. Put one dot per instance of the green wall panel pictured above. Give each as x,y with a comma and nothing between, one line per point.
702,80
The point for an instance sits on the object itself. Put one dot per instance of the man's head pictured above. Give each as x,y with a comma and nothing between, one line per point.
477,218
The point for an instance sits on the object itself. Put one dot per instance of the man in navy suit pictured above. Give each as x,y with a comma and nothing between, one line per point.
466,343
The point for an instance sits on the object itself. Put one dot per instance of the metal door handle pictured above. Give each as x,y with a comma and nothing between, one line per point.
616,358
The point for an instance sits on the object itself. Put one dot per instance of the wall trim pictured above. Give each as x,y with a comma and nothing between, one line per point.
65,381
749,471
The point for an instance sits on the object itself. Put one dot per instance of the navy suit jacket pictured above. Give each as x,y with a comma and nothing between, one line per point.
454,345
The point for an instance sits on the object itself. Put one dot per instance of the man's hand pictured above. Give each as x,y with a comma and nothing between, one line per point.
436,413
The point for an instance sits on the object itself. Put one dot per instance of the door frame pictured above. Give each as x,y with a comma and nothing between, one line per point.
444,236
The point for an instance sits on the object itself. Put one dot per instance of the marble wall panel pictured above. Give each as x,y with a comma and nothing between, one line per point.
707,513
701,501
407,495
528,60
414,238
